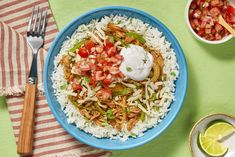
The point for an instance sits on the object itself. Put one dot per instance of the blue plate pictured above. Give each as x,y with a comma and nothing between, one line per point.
181,83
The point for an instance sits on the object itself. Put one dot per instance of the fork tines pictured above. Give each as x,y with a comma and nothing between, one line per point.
37,26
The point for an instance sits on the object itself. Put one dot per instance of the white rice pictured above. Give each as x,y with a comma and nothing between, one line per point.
154,39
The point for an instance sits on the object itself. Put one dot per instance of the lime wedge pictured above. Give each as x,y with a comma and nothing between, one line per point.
211,146
219,130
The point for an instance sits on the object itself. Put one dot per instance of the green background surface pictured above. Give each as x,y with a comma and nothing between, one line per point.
211,71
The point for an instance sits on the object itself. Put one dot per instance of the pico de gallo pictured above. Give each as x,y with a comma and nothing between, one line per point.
203,17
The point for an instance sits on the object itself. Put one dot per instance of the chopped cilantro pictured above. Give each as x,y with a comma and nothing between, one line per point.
109,114
87,79
129,69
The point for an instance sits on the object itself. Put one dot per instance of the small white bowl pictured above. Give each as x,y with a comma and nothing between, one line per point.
223,40
201,125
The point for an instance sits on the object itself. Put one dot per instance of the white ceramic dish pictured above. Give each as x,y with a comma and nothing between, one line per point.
197,36
200,127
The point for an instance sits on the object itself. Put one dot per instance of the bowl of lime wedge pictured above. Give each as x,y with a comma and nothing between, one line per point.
213,136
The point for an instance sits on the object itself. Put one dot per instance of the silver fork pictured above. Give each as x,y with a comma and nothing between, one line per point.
35,38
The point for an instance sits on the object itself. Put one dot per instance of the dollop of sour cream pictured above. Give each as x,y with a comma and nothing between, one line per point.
137,63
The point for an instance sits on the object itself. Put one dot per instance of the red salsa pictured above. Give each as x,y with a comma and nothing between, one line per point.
203,17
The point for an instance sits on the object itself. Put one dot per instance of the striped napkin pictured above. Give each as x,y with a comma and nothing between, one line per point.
50,139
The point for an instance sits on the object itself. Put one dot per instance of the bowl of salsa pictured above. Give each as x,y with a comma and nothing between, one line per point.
202,19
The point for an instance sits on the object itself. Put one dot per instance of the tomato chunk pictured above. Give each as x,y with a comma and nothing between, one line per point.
76,86
89,45
108,80
230,9
83,52
98,75
104,94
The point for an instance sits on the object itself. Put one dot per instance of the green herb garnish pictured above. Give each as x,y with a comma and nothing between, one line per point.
129,69
109,114
87,79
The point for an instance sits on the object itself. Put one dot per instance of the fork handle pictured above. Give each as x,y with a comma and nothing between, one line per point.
25,140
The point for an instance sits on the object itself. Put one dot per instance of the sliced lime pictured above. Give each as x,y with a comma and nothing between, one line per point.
211,146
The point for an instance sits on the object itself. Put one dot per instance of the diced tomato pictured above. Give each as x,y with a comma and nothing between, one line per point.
92,82
208,30
92,66
109,47
218,36
89,45
71,77
205,11
104,94
197,2
113,60
113,70
196,22
98,75
108,43
203,24
120,74
99,49
118,56
231,19
213,31
108,80
193,5
197,14
214,12
192,24
230,9
103,61
83,52
214,3
76,86
218,27
201,31
85,67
